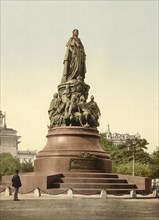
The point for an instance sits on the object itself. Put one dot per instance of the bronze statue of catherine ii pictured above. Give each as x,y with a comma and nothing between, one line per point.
74,61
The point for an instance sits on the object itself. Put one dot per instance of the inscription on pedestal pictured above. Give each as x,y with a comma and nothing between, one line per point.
84,163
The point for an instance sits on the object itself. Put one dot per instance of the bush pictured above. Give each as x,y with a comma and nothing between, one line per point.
26,167
8,164
140,169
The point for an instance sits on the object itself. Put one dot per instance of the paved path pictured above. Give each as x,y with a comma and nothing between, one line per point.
48,207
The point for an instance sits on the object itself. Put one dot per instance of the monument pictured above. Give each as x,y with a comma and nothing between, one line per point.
73,139
72,157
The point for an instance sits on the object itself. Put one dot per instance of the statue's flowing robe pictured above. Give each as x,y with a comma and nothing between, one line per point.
74,61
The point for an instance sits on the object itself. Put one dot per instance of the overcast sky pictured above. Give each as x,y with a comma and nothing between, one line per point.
121,44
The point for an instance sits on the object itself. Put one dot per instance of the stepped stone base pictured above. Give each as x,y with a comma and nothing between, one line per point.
73,158
82,183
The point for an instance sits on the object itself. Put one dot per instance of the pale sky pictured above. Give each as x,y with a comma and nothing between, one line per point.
121,44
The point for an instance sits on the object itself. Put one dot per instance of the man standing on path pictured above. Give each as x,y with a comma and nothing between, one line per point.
16,183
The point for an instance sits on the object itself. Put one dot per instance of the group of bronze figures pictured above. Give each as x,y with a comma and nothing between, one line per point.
75,112
68,106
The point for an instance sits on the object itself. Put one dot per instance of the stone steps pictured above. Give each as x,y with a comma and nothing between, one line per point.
90,180
94,185
90,174
89,183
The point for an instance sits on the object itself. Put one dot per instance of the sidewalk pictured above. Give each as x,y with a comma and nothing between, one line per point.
62,207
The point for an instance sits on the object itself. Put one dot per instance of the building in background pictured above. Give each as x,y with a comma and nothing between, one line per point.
9,141
117,138
26,156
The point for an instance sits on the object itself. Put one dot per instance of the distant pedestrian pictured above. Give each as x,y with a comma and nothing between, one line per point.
16,183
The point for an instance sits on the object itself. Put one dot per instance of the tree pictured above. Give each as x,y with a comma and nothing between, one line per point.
105,144
135,146
122,156
8,164
155,164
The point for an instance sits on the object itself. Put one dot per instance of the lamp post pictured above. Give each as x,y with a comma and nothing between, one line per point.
132,145
133,171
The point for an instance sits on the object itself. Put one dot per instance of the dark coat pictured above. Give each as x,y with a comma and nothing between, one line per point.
16,182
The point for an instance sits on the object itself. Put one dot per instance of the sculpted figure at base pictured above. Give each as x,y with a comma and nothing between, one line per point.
58,118
53,105
74,61
72,115
1,119
95,111
85,112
